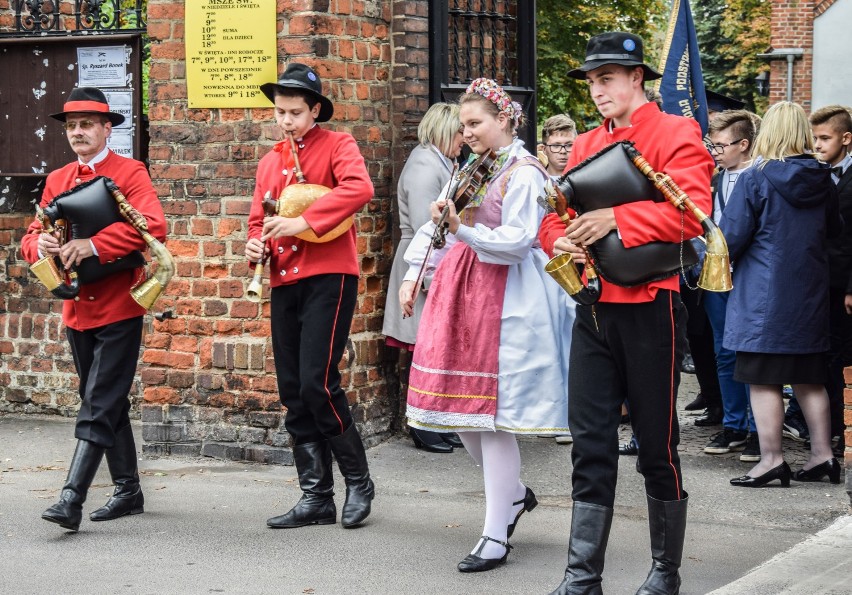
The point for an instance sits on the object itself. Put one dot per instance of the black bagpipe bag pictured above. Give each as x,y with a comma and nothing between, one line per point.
89,208
609,179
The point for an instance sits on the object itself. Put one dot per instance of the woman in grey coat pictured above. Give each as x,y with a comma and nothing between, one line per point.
425,173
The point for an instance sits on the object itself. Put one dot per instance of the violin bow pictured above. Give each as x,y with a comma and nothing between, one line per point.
418,284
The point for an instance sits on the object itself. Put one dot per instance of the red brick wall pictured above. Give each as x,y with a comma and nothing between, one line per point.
792,26
206,378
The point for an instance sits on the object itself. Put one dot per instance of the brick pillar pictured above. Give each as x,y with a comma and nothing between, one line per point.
792,26
208,375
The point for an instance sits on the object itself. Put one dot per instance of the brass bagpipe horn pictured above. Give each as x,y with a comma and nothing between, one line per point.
562,267
147,292
85,210
716,272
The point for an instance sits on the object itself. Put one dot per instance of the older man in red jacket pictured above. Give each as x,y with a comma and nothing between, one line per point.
624,346
103,322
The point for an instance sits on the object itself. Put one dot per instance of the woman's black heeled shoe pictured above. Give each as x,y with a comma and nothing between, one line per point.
473,563
429,441
831,468
781,472
529,503
452,439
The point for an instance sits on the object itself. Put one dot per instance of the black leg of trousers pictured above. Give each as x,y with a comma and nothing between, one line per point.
105,358
632,355
310,328
839,356
699,334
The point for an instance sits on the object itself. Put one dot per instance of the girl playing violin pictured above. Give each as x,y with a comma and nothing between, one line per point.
491,359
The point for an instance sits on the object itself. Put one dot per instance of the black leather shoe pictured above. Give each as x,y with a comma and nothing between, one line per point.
629,449
429,441
687,366
473,563
830,468
781,472
351,458
316,506
127,498
697,404
68,512
712,417
452,439
529,503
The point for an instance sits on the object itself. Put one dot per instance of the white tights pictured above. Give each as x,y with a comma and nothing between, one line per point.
500,458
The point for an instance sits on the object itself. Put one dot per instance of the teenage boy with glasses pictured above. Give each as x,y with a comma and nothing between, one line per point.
731,135
557,141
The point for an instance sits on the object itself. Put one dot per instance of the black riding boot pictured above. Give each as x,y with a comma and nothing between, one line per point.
127,497
590,524
316,506
68,512
667,521
352,460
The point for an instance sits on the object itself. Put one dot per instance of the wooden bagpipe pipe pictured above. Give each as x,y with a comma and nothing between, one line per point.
84,211
617,175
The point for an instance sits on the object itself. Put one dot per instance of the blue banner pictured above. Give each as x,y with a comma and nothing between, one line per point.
682,85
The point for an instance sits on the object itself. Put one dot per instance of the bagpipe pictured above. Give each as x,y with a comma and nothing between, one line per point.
84,211
292,202
617,175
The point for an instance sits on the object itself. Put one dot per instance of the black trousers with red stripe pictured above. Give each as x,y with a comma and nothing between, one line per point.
631,354
310,327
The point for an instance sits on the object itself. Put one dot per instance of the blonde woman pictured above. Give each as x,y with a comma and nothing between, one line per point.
776,222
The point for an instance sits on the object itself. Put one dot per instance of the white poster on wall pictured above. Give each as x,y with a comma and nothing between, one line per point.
121,142
102,66
121,102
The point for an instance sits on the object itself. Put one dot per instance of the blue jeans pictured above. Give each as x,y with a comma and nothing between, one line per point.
735,401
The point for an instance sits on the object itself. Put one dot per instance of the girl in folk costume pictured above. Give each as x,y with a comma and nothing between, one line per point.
491,357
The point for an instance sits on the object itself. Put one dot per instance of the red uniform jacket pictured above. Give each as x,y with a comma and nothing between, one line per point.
328,158
672,145
107,300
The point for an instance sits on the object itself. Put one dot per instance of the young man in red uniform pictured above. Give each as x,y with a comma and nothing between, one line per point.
314,290
626,343
103,322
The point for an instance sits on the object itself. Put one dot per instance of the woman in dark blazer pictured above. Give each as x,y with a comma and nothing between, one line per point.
776,222
426,171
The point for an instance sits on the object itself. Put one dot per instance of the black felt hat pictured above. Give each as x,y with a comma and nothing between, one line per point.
716,102
614,47
88,100
301,76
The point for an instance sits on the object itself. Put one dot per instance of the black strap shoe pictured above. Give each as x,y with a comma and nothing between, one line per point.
473,563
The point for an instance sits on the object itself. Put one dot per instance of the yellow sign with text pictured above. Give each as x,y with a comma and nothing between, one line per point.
230,52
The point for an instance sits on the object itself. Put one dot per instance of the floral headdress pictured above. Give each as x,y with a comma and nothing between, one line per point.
494,93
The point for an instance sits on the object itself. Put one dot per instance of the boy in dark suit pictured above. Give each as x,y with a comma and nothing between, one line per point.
832,130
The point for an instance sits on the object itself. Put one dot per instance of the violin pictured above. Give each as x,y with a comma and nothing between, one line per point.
463,187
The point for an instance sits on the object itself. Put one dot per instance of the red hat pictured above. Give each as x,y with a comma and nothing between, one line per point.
88,100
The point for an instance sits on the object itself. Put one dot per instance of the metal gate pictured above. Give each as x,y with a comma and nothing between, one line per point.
484,38
41,63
